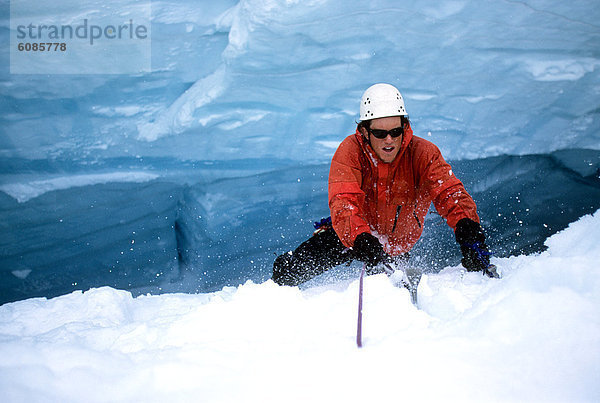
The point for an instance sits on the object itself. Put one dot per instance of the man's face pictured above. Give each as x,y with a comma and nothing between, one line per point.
386,148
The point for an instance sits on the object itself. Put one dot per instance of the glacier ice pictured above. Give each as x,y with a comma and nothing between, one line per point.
281,79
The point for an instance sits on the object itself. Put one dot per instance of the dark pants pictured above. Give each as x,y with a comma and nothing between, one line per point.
318,254
315,256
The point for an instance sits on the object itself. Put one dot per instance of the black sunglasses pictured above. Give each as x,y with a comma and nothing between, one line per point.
381,134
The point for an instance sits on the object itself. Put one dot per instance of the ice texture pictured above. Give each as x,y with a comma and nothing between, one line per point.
201,226
283,78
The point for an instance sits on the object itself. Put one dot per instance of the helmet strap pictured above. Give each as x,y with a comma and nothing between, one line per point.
367,137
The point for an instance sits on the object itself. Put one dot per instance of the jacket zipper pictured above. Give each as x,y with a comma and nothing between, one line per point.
398,209
417,218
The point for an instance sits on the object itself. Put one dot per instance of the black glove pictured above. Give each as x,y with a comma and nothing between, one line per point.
470,237
368,249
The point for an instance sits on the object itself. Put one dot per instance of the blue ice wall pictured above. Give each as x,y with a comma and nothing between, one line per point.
282,79
165,235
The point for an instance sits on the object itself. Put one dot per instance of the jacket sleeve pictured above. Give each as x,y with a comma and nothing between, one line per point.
346,198
449,196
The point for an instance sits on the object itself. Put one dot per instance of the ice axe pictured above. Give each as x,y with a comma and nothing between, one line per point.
360,303
413,276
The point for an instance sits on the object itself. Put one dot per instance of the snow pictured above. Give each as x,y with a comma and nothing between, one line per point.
533,335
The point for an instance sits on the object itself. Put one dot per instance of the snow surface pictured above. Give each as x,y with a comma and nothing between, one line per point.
533,335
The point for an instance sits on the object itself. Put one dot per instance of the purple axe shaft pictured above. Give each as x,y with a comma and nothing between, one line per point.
360,302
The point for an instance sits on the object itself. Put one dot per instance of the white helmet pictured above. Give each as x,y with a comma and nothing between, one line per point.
380,101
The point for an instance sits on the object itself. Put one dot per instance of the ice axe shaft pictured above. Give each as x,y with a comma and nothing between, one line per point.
360,303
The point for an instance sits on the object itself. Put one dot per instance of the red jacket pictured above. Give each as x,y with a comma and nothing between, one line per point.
391,200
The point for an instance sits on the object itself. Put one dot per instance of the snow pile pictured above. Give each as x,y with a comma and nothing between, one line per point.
533,335
94,169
